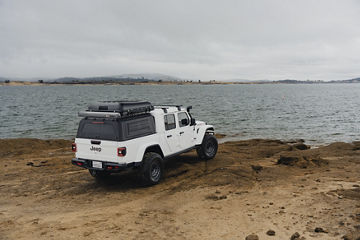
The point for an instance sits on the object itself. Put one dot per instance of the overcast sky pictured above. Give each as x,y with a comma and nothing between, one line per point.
196,39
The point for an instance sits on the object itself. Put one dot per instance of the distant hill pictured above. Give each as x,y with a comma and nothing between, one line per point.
156,77
353,80
117,78
2,79
291,81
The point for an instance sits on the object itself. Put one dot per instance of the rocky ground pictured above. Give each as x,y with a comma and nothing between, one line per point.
254,189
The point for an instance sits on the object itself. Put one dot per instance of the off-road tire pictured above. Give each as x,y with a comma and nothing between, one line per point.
208,148
99,175
152,168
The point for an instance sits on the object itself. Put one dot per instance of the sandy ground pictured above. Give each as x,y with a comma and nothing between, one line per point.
243,191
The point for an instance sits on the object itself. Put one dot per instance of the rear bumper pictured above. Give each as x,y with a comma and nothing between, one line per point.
106,166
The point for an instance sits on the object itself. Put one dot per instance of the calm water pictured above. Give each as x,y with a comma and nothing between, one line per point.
317,113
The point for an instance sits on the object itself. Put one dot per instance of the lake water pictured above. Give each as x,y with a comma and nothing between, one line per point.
318,113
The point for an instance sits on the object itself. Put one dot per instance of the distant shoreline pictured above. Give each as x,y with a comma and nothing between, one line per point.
25,83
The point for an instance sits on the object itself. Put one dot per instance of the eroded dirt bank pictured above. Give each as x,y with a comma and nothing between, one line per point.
249,188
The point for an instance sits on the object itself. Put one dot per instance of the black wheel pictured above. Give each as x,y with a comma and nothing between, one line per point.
208,148
152,168
100,175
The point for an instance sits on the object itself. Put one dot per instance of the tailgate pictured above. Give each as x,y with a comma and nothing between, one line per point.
93,149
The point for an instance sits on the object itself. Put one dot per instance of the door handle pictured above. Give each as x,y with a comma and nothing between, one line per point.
181,133
95,142
169,136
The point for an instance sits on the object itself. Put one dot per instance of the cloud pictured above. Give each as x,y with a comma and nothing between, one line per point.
192,39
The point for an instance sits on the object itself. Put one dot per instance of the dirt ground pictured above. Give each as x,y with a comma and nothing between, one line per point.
251,187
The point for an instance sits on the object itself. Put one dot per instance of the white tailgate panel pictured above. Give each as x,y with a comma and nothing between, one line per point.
105,151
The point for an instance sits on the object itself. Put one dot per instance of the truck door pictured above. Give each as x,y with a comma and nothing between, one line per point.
186,132
171,133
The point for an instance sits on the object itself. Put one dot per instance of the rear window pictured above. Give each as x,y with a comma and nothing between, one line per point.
97,129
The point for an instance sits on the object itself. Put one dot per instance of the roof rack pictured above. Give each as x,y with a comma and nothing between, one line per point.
99,114
116,109
166,106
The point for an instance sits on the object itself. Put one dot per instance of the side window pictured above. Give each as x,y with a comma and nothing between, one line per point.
139,127
183,119
169,121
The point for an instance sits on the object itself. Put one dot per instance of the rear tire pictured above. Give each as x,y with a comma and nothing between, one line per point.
152,168
99,175
208,148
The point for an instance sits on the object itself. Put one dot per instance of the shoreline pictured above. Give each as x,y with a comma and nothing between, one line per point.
221,137
157,83
21,83
250,187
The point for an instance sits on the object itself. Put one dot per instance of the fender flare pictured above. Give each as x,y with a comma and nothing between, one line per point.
143,149
202,131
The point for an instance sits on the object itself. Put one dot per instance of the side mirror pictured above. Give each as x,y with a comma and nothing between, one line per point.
192,122
184,122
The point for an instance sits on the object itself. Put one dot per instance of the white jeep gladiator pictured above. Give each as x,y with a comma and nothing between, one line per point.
117,135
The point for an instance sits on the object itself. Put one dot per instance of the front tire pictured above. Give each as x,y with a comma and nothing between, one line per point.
208,148
152,169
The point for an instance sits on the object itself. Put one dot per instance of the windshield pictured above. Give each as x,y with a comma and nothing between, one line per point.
98,129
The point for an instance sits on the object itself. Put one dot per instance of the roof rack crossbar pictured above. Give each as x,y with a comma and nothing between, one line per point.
167,106
133,110
99,114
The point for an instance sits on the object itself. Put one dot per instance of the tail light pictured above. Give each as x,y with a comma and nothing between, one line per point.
73,147
121,151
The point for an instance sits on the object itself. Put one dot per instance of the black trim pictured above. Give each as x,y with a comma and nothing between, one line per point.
154,146
121,166
178,153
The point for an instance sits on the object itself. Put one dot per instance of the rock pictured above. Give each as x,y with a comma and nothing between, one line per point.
287,160
301,146
216,198
295,236
347,237
295,141
222,197
252,237
300,160
320,230
270,232
256,168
